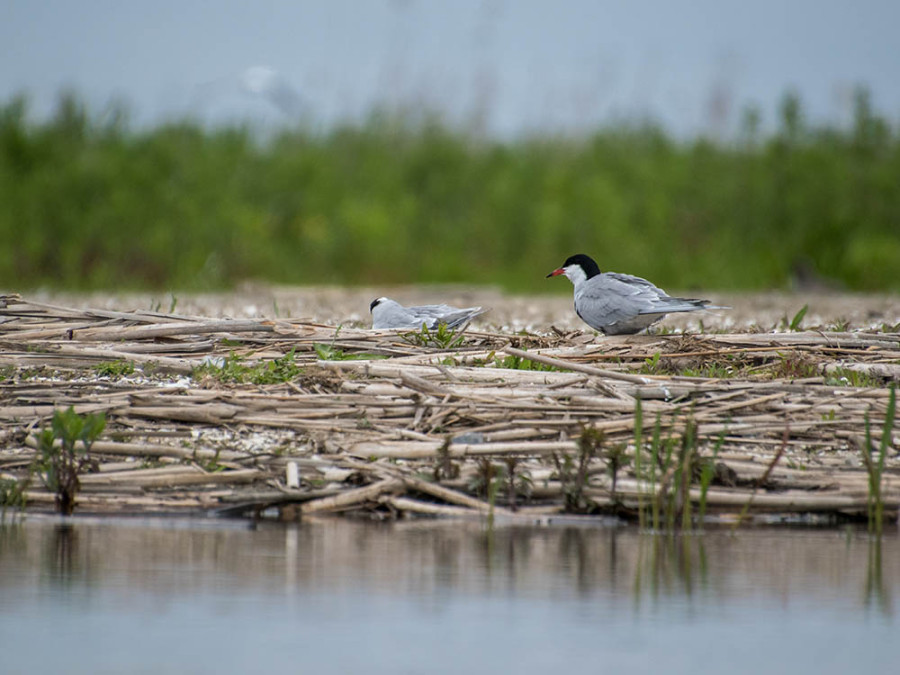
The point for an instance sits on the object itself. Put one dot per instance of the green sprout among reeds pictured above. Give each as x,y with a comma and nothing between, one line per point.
12,494
518,482
848,377
518,363
332,353
573,471
114,369
795,324
875,469
64,452
665,478
487,482
235,369
441,337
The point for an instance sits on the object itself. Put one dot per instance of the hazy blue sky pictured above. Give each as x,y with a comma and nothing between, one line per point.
509,65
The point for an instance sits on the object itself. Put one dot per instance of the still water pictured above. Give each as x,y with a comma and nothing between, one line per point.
333,596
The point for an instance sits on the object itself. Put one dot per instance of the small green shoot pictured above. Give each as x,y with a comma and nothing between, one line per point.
875,469
332,353
212,464
12,494
235,370
616,459
840,325
487,483
441,337
518,363
64,451
114,369
651,365
797,322
794,366
573,472
517,482
675,463
848,377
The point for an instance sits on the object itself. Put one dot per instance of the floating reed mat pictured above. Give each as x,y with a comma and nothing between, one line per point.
293,417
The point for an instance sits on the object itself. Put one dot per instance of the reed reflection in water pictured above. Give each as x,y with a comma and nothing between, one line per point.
211,596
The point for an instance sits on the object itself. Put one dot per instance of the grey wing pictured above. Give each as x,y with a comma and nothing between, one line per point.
610,298
461,316
433,311
654,300
452,316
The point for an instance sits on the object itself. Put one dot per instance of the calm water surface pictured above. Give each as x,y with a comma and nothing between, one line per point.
331,596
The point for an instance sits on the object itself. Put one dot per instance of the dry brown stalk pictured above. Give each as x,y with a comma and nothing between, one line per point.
590,370
430,508
354,497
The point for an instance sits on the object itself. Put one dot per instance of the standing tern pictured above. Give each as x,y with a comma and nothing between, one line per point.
619,304
387,313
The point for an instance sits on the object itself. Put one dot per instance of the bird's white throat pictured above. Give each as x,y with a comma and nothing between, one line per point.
576,274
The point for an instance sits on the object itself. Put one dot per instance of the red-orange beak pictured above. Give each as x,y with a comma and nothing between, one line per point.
556,273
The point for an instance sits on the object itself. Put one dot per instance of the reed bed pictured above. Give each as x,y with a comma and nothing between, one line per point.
292,417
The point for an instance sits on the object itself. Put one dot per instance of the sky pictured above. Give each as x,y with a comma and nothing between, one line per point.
502,67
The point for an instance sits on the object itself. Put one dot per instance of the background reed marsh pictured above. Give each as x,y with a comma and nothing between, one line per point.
88,201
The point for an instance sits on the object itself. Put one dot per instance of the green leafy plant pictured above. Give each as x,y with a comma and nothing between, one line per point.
235,369
518,482
12,493
840,325
114,369
64,452
616,457
441,337
674,464
651,364
573,471
332,353
519,363
282,369
210,464
848,377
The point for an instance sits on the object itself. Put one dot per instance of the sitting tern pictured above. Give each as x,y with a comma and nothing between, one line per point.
619,304
387,313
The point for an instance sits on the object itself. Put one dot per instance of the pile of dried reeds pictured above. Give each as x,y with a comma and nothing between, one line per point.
388,423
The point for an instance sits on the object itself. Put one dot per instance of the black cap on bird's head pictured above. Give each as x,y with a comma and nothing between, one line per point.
375,303
585,262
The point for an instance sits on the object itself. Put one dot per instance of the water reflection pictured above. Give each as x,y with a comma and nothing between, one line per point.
669,564
469,595
60,560
877,588
425,557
